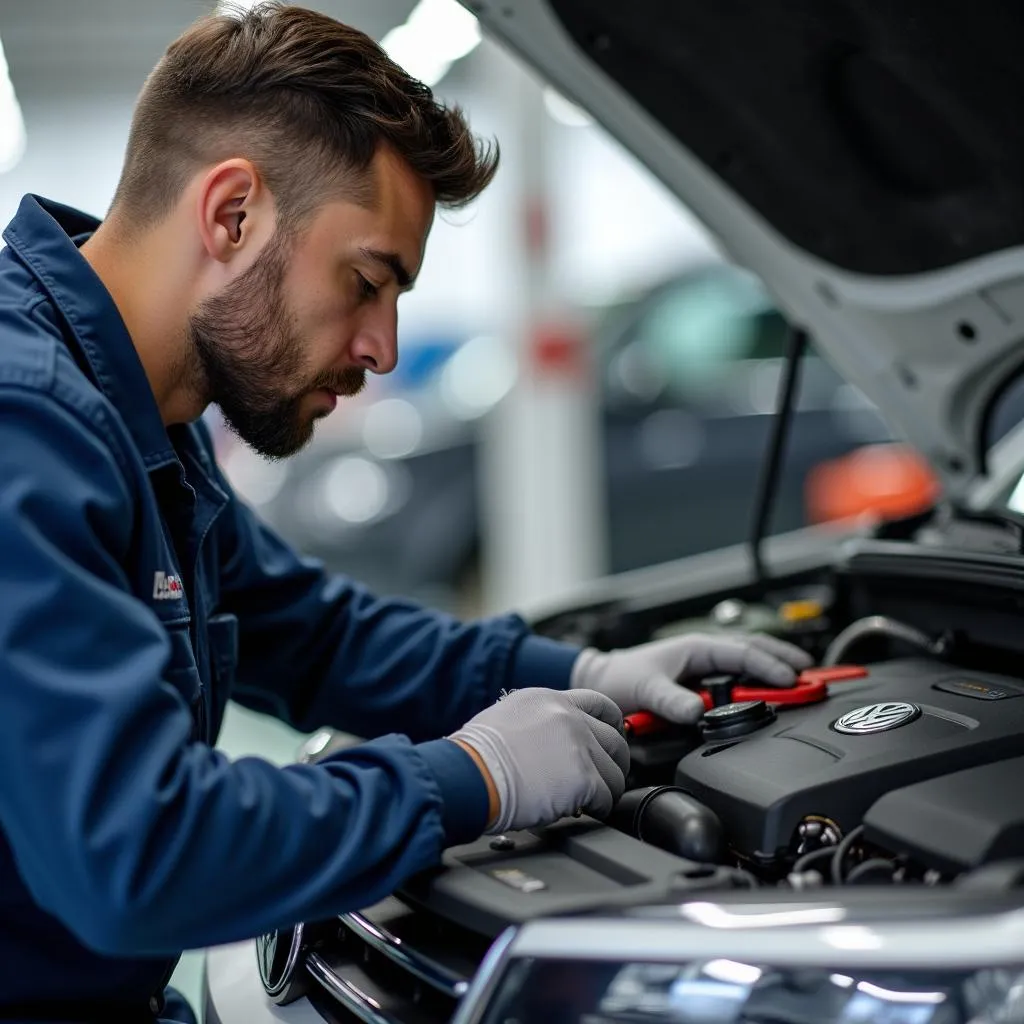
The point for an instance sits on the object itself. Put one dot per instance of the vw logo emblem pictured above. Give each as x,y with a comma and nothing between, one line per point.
876,718
277,955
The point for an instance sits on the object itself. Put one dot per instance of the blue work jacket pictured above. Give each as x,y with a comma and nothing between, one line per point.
137,594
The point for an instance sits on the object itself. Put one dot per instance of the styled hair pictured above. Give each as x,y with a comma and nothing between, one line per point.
307,99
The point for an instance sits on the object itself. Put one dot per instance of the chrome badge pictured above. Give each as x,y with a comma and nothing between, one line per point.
876,718
277,954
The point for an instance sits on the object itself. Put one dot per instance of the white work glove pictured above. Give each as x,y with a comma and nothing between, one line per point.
550,753
647,678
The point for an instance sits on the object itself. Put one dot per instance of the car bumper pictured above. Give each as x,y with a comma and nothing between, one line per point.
234,994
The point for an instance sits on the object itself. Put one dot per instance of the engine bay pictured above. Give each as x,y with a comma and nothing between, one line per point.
892,763
902,772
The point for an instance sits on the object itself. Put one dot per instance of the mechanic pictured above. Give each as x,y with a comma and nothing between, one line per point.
279,185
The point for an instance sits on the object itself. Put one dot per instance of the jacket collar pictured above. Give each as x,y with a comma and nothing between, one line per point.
46,235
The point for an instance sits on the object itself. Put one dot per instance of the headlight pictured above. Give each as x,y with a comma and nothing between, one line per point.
354,491
392,428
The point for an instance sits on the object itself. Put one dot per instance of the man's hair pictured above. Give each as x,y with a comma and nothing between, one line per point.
307,99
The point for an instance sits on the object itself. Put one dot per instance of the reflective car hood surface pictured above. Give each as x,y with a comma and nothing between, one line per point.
865,160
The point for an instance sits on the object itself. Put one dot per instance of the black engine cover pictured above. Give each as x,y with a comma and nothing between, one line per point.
955,822
763,785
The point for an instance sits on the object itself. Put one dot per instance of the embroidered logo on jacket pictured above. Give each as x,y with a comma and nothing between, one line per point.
167,587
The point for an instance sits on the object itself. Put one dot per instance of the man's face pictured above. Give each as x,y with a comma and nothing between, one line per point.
304,323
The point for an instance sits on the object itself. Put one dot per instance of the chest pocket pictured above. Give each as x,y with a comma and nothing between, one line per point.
206,693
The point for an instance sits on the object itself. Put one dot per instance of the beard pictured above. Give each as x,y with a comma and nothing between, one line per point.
246,356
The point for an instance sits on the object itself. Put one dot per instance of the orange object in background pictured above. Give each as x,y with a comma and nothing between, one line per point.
884,480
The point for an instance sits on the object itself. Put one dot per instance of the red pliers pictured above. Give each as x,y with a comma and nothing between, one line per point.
811,686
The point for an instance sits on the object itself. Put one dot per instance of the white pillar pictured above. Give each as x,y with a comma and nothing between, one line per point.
542,500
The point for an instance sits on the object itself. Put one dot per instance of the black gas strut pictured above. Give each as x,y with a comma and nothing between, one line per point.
768,482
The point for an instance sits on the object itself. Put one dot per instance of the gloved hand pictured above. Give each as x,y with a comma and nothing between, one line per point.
646,678
550,753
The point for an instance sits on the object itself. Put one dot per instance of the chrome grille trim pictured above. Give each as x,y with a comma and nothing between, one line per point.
447,982
358,1003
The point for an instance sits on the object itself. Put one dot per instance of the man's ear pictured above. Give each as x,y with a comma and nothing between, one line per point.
231,205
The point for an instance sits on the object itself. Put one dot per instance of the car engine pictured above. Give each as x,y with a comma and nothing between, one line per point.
901,772
892,753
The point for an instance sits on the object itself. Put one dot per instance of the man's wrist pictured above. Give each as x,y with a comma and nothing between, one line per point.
493,803
583,669
540,661
462,789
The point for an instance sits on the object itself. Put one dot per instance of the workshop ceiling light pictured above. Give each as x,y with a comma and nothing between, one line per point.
436,34
236,6
12,124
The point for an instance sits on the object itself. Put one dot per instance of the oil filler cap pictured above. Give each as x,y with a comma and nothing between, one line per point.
737,719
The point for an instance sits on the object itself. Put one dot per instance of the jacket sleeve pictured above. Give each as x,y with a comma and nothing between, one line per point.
141,841
318,650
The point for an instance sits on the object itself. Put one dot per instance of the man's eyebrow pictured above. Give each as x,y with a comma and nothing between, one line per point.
393,262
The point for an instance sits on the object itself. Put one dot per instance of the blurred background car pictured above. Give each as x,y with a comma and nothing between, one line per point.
687,374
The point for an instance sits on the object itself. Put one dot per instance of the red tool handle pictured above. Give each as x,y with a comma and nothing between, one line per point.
811,686
644,723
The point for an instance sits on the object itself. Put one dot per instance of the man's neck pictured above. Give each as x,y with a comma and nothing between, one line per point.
145,284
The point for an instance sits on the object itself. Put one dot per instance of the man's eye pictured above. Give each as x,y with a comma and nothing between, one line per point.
367,289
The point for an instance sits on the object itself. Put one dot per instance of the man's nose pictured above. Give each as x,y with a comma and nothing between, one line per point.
376,348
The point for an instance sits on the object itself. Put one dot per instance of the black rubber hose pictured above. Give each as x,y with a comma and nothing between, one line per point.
807,860
743,879
870,867
669,818
841,851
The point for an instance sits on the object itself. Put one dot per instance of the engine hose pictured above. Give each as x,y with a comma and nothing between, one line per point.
869,867
876,625
743,879
841,852
808,860
669,818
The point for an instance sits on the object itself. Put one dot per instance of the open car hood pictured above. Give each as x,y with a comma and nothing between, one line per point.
866,160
